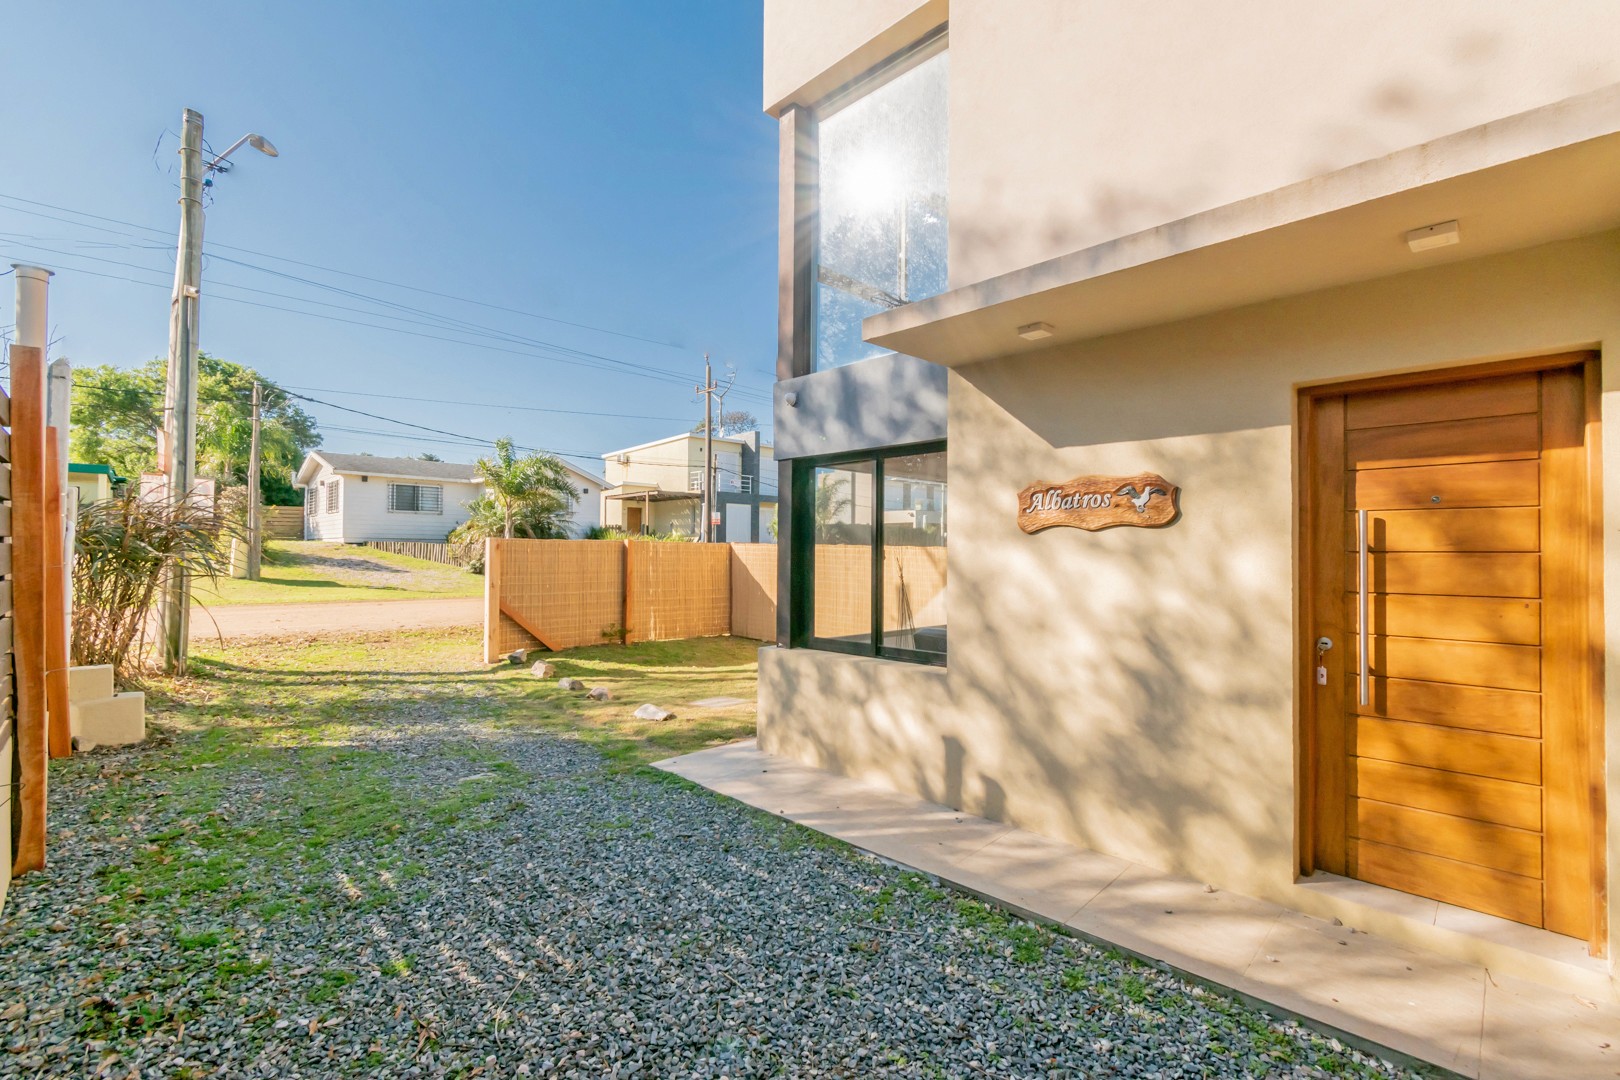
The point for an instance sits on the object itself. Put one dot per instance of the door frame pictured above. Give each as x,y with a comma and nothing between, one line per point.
1588,647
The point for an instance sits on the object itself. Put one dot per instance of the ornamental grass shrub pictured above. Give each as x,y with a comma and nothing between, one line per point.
124,555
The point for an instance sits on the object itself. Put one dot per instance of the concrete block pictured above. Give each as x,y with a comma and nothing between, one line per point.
109,721
90,682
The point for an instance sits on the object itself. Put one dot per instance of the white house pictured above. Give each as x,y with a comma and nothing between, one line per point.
350,498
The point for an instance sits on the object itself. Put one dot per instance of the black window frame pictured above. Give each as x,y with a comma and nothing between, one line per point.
802,556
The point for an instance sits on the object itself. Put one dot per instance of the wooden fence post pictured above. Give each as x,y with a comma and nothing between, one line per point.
28,599
492,599
56,630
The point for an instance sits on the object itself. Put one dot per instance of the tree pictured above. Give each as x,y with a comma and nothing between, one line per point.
730,422
116,415
428,456
528,488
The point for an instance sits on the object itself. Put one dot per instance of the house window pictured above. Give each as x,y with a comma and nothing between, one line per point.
881,205
416,498
332,496
870,573
309,501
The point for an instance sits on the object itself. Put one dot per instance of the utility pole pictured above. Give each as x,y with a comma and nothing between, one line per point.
180,402
254,528
707,390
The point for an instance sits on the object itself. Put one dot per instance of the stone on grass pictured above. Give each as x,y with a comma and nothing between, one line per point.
542,669
599,693
516,658
653,712
570,684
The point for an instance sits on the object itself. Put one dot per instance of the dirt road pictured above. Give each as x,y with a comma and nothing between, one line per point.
237,621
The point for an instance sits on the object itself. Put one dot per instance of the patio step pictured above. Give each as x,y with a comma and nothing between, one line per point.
115,720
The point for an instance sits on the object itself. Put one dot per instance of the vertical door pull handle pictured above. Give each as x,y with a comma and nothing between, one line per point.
1361,600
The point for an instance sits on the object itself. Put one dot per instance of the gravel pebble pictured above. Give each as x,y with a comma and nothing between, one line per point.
540,915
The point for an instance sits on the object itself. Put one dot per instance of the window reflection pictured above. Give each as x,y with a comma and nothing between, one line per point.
914,553
844,500
881,209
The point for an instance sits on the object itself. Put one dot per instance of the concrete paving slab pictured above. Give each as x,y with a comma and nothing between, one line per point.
1413,1002
1044,876
1210,934
1531,1033
1417,1003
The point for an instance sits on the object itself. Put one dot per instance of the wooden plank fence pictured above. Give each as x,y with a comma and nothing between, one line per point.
431,550
282,522
10,763
560,594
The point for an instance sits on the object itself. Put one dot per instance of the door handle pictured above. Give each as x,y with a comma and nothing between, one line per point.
1361,603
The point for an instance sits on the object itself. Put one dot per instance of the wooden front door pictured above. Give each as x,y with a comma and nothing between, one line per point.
1456,518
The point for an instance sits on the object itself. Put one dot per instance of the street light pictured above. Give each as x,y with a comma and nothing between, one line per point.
258,142
179,447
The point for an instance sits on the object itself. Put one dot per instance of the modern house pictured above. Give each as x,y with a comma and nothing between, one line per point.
350,498
1241,328
657,487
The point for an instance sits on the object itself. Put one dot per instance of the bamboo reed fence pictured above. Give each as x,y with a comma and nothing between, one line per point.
564,593
753,591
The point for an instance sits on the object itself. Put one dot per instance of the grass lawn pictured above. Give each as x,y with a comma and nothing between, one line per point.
302,571
325,691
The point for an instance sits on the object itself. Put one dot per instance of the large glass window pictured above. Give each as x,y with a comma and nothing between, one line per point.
881,208
872,545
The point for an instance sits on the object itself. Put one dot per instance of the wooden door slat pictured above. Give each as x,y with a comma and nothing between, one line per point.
1475,708
1469,753
1495,892
1446,573
1478,797
1490,438
1444,401
1495,528
1457,618
1471,663
1484,483
1518,851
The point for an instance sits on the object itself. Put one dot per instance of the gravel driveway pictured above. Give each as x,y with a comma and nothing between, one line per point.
450,897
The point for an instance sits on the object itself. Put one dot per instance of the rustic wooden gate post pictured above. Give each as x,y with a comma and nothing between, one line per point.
56,631
28,599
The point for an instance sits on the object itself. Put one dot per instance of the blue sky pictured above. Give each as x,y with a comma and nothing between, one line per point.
603,163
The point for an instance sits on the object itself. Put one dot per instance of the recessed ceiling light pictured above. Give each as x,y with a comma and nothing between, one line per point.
1433,236
1035,331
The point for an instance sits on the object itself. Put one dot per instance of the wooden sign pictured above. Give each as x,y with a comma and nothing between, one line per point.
1146,500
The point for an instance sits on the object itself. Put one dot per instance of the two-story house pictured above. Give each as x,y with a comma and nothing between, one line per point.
1322,293
657,487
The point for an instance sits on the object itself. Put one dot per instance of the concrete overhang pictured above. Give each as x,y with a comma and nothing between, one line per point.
1544,175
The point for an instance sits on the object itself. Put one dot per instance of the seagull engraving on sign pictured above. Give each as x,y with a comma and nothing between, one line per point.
1146,500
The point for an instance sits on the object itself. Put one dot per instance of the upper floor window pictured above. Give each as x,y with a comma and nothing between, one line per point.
416,498
881,205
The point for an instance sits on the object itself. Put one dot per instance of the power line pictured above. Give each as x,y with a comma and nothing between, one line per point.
334,270
610,365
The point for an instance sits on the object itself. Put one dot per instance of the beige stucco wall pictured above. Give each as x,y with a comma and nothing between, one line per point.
814,46
1133,690
1120,117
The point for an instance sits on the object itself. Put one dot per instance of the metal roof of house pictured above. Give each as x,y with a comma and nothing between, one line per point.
408,468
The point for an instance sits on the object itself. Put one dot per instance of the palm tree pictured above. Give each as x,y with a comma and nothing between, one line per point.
516,484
